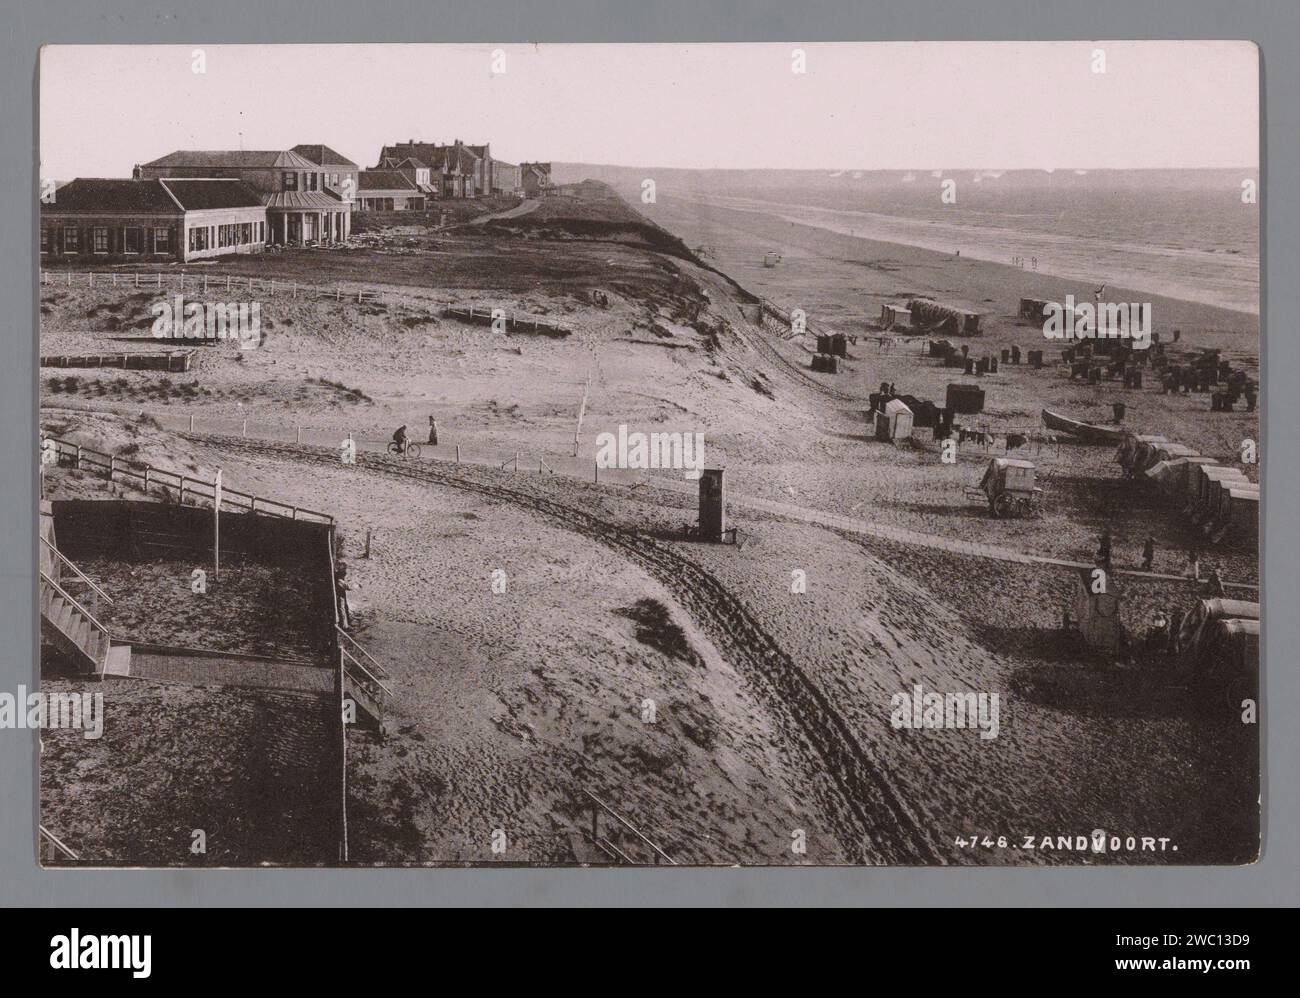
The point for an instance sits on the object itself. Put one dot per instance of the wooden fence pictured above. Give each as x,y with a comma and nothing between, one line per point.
205,284
68,454
171,360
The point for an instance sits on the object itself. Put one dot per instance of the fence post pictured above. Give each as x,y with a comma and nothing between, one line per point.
367,554
244,429
227,282
147,468
272,291
159,281
295,289
78,464
182,280
597,478
205,284
112,466
182,500
92,279
458,453
298,435
191,422
516,460
137,278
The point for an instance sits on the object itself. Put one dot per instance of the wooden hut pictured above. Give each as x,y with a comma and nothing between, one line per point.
895,422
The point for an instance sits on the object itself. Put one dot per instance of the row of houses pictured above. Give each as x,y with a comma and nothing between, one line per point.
196,204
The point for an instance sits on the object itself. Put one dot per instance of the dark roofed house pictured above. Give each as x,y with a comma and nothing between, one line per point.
340,172
416,171
457,170
535,177
302,205
388,190
93,220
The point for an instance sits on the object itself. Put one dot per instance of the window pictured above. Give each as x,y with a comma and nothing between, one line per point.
161,238
289,180
311,181
45,239
199,239
99,240
69,239
134,240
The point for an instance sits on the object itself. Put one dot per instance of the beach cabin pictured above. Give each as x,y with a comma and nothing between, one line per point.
895,317
895,422
1239,513
1096,614
1209,475
1034,309
966,400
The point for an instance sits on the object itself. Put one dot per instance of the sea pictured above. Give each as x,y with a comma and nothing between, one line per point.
1187,234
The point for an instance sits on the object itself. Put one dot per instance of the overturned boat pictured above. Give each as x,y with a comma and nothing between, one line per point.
1089,433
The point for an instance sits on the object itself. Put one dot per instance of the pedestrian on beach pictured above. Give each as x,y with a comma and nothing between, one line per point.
1194,564
1175,626
1103,549
1158,633
1216,587
1148,554
433,431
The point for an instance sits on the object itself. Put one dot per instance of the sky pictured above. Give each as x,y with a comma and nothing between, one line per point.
895,105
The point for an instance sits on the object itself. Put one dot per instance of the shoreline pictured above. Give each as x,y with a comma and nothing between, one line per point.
982,282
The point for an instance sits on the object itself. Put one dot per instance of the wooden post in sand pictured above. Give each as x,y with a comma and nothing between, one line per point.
243,430
298,434
458,453
367,554
191,422
516,460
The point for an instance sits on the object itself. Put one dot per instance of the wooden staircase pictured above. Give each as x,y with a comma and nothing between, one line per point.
66,622
363,680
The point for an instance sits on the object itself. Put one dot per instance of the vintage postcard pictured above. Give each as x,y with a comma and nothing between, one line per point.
602,455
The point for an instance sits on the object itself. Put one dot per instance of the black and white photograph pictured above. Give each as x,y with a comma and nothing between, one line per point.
826,454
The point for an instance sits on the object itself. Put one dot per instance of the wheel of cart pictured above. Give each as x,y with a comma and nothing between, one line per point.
1003,504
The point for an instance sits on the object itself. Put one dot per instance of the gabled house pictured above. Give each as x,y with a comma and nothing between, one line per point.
95,220
457,170
535,177
417,172
340,173
301,206
388,190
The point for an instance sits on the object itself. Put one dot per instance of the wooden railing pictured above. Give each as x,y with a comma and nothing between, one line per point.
94,621
99,593
63,850
608,847
149,476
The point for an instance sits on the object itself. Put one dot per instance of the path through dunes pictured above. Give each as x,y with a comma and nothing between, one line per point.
827,666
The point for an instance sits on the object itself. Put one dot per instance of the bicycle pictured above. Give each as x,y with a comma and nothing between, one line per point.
412,449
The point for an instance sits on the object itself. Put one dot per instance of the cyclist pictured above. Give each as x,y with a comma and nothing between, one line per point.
399,438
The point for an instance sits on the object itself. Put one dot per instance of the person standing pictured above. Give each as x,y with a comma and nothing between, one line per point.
1148,554
1194,564
433,431
1216,587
